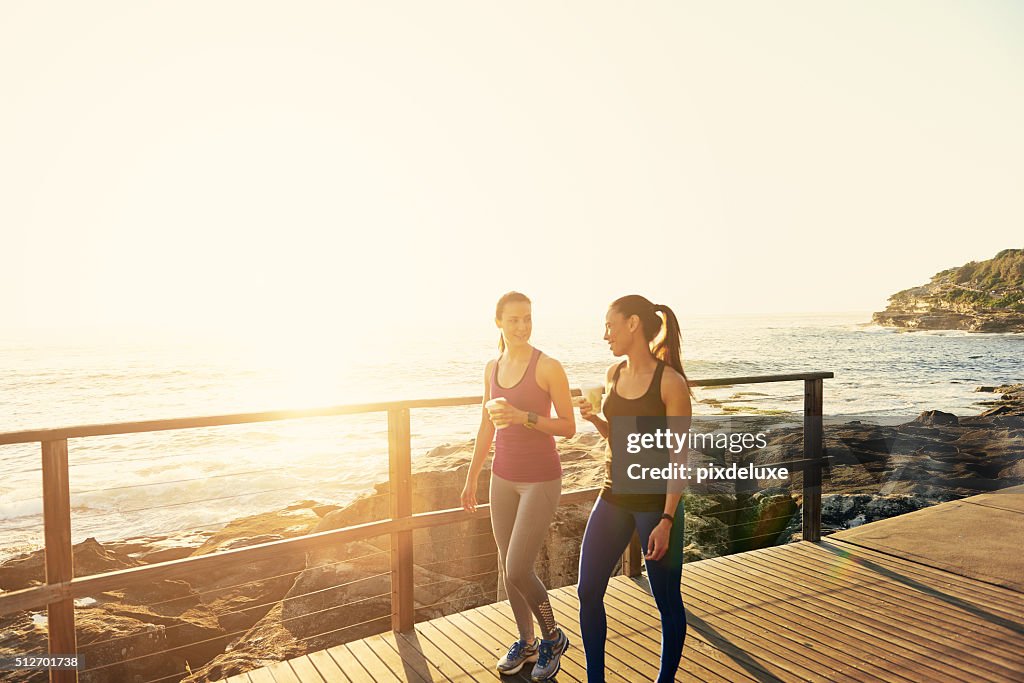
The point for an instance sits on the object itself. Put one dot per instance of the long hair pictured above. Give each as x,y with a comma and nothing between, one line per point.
655,319
508,298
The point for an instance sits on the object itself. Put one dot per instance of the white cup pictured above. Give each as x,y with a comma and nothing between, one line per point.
592,393
491,405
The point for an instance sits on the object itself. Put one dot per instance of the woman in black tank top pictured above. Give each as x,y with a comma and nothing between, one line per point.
650,405
650,383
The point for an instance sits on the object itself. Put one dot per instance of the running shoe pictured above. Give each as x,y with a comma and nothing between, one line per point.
549,657
517,656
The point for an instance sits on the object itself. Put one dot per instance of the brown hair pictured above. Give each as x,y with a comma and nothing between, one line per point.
669,347
508,298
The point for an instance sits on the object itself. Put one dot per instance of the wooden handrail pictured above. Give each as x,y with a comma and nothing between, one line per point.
36,435
61,587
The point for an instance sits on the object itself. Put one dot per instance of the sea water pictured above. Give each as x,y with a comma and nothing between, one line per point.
164,482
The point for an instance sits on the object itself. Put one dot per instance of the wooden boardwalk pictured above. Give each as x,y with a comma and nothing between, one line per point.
827,611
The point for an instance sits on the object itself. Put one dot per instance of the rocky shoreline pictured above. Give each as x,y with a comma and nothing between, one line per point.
210,626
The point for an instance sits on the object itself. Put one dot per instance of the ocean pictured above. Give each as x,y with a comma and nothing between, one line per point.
199,479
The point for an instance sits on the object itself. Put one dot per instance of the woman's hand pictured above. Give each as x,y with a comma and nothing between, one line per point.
586,409
508,414
657,543
469,496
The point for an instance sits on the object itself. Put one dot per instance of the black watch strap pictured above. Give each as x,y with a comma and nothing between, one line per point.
669,517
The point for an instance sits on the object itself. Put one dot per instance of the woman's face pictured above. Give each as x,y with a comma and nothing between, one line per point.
516,323
618,331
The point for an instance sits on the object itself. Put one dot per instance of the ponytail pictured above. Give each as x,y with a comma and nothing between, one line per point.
669,348
660,328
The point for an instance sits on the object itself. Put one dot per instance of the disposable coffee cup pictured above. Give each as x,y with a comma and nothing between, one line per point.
491,405
592,393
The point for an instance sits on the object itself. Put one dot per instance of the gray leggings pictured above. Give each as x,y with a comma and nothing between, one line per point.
521,513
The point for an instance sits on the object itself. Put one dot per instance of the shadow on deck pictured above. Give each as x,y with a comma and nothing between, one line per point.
934,595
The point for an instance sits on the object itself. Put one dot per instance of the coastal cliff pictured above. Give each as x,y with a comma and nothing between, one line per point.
981,296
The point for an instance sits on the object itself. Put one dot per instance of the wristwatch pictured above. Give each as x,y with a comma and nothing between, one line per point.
670,518
531,420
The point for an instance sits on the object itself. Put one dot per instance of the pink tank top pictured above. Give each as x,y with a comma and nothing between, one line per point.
520,453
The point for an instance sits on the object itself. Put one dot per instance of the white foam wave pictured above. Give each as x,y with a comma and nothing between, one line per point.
23,508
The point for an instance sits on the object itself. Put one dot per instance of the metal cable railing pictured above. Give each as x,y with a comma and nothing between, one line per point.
61,588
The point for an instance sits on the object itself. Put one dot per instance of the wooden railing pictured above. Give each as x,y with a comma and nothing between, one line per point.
61,588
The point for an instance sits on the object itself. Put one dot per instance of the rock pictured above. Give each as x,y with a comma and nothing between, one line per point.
937,417
90,557
244,593
1001,410
157,640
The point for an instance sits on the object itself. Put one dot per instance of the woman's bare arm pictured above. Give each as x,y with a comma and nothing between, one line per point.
551,378
592,417
484,438
676,395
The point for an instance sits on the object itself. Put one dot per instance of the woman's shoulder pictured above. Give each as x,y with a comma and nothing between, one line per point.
672,381
546,363
610,372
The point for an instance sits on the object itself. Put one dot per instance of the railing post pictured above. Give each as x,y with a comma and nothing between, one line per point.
60,616
813,445
400,477
632,559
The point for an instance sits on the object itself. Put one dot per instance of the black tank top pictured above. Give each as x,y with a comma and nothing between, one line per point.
648,405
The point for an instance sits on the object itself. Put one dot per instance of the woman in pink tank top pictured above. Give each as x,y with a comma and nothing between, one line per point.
526,477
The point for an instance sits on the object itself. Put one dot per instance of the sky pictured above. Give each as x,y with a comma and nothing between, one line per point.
367,168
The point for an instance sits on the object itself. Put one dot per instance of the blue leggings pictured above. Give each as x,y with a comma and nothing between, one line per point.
607,536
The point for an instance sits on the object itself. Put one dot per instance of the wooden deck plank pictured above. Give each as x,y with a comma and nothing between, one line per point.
281,672
327,667
644,640
700,647
475,657
835,614
413,660
984,632
863,578
1007,605
991,595
779,606
261,675
349,664
441,667
770,651
946,536
698,654
927,645
373,664
805,629
765,609
390,656
767,657
307,672
239,678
